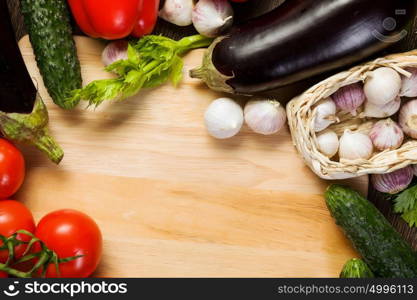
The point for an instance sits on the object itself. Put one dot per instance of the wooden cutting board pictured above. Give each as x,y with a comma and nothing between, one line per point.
172,201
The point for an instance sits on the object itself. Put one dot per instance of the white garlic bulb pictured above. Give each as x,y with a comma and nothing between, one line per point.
414,167
265,116
223,118
408,118
325,114
114,51
384,111
386,135
178,12
409,84
328,143
355,145
212,17
382,86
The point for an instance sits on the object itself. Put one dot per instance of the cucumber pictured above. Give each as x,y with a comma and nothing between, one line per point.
356,268
50,32
382,248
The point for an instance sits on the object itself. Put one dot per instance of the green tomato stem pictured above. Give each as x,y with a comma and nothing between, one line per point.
14,272
45,256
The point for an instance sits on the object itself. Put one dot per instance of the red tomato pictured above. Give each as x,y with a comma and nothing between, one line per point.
12,169
3,275
15,216
71,233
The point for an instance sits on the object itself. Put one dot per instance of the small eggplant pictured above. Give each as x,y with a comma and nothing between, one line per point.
301,39
23,115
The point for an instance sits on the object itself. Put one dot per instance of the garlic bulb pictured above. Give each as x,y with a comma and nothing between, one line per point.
223,118
114,51
384,111
386,135
212,17
178,12
349,98
409,84
408,118
265,116
414,167
355,145
394,182
325,114
328,143
382,86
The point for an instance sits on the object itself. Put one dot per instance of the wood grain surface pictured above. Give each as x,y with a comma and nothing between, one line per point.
171,200
244,11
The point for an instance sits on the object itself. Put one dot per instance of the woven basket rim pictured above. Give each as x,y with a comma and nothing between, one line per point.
300,120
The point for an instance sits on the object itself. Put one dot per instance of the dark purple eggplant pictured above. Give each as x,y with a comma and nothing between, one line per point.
23,115
301,39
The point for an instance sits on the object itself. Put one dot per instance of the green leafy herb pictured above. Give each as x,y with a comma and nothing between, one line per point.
152,61
406,200
410,217
406,204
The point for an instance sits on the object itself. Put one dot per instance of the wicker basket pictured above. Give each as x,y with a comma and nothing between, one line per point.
301,120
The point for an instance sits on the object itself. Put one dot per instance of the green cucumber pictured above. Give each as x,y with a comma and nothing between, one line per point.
382,248
50,32
356,268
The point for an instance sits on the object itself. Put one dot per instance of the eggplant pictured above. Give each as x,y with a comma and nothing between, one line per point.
23,114
301,39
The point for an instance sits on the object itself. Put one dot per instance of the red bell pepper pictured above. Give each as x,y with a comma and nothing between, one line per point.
115,19
147,19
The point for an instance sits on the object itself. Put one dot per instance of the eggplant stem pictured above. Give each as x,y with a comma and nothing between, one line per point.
47,144
32,129
209,74
197,73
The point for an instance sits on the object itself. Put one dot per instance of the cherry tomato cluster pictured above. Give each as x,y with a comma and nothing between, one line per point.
65,243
